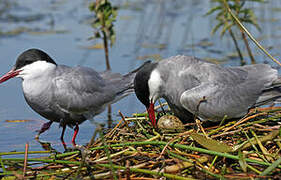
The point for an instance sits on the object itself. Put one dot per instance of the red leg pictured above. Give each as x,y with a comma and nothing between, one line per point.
76,129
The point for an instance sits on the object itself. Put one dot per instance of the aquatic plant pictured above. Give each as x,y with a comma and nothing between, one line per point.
227,23
244,149
103,23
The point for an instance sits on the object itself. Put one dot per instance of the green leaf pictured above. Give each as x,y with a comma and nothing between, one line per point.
242,161
112,39
102,2
216,27
210,143
105,17
212,10
225,28
96,24
92,6
97,35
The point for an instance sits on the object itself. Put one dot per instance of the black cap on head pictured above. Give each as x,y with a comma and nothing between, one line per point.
32,55
141,83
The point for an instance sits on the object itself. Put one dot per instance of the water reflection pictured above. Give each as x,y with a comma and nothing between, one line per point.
47,146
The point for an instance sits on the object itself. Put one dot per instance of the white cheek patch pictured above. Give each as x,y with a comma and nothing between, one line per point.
36,77
154,84
36,69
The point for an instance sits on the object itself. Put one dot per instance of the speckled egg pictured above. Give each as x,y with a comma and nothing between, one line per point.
170,122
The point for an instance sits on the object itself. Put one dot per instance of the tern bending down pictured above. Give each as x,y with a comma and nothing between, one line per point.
193,86
68,95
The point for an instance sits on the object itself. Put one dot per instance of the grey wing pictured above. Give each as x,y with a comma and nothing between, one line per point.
80,90
212,101
110,75
231,94
191,71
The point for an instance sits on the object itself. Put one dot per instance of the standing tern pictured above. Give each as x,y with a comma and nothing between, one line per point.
68,95
195,87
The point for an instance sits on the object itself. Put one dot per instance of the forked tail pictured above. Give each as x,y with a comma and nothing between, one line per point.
127,82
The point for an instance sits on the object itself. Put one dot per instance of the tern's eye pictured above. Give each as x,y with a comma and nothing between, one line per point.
21,64
26,63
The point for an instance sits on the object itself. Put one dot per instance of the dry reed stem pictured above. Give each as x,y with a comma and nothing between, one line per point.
124,119
198,123
173,158
25,159
181,165
244,120
114,129
173,139
265,109
263,149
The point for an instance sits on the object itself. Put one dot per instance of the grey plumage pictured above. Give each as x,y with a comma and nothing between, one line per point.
68,95
72,95
193,86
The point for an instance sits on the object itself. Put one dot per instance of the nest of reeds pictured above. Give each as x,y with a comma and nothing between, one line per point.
242,149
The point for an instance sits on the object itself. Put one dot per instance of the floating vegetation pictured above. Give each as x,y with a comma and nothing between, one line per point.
18,120
246,148
156,57
26,18
46,32
154,46
95,46
35,31
204,43
15,31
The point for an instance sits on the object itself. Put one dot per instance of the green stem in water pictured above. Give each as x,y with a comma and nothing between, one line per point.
249,34
191,148
43,160
2,165
29,152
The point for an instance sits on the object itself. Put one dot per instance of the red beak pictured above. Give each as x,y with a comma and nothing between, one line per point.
12,73
151,114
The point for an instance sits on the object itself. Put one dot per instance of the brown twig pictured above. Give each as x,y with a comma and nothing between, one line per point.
128,170
123,118
265,109
114,129
165,147
199,125
225,133
25,159
244,120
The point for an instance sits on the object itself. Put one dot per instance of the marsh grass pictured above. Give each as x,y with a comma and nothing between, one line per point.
134,150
